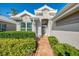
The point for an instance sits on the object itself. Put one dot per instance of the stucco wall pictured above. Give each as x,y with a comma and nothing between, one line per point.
74,18
69,27
69,37
69,23
11,27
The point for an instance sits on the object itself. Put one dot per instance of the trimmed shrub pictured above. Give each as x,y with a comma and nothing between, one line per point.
52,40
17,47
65,50
62,49
17,34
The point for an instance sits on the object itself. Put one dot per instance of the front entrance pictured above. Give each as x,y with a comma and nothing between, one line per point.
44,26
41,27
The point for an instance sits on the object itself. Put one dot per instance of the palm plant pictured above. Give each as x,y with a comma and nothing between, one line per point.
13,11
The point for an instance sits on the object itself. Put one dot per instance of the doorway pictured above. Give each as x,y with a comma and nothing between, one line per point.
44,26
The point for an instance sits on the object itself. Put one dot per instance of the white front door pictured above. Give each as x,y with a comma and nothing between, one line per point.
44,26
44,29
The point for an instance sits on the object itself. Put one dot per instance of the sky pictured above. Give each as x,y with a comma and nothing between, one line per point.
5,8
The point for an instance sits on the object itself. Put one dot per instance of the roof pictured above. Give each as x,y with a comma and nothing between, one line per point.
67,12
5,19
22,13
45,6
65,8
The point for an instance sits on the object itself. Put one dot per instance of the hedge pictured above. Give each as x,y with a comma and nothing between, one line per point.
52,40
65,50
62,49
17,34
17,47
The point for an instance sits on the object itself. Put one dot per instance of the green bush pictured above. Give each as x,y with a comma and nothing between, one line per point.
62,49
52,40
65,50
17,47
17,34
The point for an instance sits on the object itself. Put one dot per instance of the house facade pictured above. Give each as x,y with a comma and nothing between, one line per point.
65,25
40,23
67,19
7,24
46,19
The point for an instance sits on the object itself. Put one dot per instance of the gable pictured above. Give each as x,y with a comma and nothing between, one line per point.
45,7
25,15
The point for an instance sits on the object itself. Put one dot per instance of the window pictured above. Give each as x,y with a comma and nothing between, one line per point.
23,26
39,14
2,27
52,14
29,26
45,11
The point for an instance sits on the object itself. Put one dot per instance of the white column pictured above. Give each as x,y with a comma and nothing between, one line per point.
53,25
39,29
18,26
26,26
33,26
49,27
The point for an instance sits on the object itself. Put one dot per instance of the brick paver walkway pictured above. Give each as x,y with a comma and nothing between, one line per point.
44,48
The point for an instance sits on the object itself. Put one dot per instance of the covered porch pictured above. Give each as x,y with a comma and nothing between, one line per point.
42,26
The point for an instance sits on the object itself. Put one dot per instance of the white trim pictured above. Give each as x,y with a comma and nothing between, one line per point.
33,26
39,29
24,12
45,6
26,26
18,26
